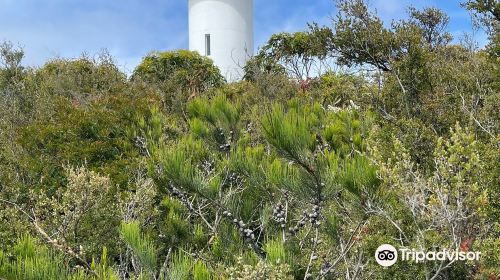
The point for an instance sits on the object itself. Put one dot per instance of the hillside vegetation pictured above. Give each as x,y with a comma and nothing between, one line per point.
339,139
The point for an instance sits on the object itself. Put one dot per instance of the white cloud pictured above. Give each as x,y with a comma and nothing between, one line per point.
129,29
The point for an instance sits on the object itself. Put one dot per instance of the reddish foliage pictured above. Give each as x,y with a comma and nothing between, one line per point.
305,84
465,245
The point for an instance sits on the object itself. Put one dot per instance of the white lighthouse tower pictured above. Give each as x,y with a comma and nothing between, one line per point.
223,31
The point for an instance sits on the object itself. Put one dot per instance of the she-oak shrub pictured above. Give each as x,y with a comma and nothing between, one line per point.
245,194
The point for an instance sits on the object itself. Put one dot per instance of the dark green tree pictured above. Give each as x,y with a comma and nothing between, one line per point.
178,75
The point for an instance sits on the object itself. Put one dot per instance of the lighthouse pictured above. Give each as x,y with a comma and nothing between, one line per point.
223,31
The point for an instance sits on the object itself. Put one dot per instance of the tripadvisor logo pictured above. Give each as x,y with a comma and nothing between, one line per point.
386,255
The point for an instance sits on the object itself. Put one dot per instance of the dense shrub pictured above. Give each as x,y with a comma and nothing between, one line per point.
338,140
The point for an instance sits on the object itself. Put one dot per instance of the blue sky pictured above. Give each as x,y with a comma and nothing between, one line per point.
129,29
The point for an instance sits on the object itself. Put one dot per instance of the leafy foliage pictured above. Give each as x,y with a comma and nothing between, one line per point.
179,75
297,52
